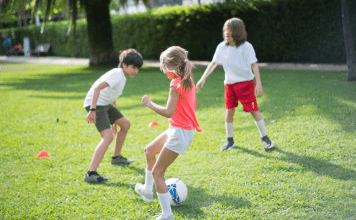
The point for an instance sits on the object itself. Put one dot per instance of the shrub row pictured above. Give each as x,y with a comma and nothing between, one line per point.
279,30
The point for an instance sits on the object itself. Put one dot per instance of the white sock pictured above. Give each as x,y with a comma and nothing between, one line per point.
164,200
229,129
148,181
261,127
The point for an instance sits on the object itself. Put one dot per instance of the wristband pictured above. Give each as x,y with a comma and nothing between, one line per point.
92,109
148,104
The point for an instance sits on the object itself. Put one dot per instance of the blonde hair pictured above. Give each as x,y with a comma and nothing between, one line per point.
175,59
237,27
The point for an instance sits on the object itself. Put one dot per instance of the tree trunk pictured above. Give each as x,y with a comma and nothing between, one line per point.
102,51
349,45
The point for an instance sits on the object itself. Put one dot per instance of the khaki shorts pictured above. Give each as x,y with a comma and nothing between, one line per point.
106,116
178,139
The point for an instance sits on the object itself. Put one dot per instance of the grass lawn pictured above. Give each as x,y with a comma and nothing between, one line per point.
311,174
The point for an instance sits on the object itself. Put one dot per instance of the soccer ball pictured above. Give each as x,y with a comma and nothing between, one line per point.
178,191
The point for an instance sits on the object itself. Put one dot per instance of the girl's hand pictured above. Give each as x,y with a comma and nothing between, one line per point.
201,83
145,100
259,91
91,118
114,129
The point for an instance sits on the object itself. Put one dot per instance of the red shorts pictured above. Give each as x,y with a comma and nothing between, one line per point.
243,92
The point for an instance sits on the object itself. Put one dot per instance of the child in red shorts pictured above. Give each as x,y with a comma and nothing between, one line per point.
237,57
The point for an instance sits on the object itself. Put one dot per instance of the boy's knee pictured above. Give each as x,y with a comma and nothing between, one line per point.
124,124
127,125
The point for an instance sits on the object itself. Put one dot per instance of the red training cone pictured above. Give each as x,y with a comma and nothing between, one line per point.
43,154
153,124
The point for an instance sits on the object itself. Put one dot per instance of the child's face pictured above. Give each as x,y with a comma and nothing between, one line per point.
228,37
129,70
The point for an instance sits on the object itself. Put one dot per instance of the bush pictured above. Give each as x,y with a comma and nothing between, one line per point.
280,31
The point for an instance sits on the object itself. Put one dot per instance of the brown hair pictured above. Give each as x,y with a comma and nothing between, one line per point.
237,27
175,59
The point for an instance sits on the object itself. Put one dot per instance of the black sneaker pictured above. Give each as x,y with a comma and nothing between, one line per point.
227,146
267,143
121,160
95,178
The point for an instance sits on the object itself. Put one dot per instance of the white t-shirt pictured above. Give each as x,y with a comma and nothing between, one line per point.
116,80
236,62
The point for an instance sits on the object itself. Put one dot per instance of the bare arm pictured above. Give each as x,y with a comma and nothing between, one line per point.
256,71
167,111
207,72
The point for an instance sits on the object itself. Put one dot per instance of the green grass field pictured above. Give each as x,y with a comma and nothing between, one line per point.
311,174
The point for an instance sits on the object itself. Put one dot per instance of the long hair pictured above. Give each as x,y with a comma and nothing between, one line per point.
176,58
237,27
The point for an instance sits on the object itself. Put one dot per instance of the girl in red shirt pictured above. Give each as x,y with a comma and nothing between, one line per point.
180,111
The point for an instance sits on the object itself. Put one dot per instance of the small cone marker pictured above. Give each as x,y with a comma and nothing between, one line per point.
153,124
43,154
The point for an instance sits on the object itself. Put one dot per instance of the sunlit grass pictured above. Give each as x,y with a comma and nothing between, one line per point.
311,174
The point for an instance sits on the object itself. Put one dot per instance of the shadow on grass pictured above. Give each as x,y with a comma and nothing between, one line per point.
192,208
326,93
318,166
300,93
63,80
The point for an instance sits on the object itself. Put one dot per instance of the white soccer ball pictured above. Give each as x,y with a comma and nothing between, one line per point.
178,191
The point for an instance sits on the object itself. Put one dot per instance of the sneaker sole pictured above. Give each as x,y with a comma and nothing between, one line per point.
272,146
94,181
128,163
120,163
230,148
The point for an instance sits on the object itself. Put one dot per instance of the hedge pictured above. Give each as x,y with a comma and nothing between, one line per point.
307,31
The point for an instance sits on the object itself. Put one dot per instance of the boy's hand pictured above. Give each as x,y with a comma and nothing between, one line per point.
114,129
201,83
145,100
91,118
259,91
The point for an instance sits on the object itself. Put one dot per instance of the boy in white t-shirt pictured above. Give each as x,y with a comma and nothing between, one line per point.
237,56
100,104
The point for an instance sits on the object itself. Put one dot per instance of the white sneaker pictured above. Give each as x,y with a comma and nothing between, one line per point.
161,217
267,143
147,197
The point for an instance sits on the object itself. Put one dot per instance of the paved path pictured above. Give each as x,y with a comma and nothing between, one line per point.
199,64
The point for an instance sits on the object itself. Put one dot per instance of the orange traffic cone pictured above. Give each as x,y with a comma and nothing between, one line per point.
43,154
153,124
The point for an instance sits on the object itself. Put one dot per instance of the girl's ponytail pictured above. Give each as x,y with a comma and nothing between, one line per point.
187,79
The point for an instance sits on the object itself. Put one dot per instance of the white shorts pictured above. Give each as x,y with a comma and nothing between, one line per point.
178,139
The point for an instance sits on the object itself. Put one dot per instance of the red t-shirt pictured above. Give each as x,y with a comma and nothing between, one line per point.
184,114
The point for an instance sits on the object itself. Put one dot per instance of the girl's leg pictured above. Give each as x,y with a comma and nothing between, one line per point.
151,151
154,148
106,139
166,158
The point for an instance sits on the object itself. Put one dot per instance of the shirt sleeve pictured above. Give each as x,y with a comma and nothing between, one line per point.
113,78
175,83
250,54
216,58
